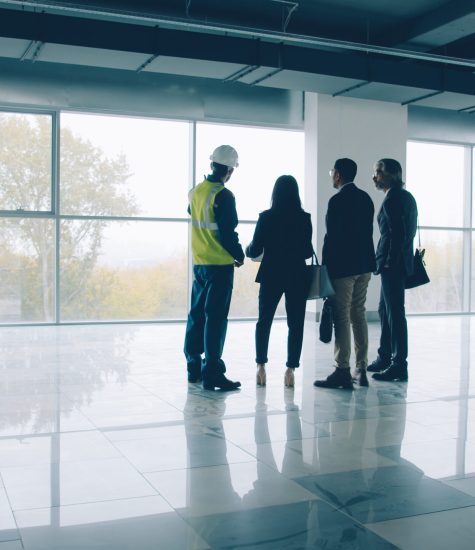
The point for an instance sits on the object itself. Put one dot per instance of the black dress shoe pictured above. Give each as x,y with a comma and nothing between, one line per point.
378,365
340,378
194,372
359,376
392,374
221,383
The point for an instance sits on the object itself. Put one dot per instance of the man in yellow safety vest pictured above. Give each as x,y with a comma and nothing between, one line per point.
216,252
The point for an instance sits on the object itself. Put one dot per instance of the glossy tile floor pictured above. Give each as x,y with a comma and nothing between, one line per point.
104,445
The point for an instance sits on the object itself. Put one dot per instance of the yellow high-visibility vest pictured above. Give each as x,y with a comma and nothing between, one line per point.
205,245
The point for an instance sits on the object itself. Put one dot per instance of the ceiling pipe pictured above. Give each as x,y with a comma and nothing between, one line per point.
188,24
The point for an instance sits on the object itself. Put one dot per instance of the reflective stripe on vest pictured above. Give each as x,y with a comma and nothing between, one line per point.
205,244
204,225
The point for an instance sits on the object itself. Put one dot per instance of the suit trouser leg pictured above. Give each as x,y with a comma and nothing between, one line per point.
341,303
384,350
392,285
358,320
295,305
269,297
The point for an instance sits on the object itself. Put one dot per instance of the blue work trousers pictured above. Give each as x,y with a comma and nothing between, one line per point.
208,319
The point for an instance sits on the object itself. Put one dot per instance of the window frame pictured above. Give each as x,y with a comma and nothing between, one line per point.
57,217
466,228
19,213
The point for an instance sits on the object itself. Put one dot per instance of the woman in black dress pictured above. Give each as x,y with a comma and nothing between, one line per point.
283,235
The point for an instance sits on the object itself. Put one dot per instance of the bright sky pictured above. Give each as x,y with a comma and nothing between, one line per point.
435,176
158,154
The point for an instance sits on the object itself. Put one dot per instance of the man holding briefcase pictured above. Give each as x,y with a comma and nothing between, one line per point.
348,253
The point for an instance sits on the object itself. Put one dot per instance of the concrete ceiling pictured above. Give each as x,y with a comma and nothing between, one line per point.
409,52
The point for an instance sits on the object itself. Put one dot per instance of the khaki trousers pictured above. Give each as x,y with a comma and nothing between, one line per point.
349,308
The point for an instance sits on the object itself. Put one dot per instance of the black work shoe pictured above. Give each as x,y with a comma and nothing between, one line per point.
359,376
221,383
378,365
392,374
340,378
194,373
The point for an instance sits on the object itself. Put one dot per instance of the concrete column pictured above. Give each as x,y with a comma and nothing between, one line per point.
363,130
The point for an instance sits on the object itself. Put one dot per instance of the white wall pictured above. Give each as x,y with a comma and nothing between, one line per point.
363,130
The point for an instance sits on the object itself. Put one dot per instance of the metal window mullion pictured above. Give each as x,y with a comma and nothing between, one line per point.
470,182
25,214
56,212
467,237
464,384
442,228
192,183
120,218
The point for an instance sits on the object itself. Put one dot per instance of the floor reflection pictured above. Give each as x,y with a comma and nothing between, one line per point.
103,444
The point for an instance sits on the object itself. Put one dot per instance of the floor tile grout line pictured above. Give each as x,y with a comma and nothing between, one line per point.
3,486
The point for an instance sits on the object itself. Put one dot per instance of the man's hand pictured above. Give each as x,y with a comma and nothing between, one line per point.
238,264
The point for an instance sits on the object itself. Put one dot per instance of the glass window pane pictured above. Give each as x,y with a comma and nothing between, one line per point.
25,162
444,265
473,187
123,270
246,290
264,155
26,270
124,166
472,294
435,176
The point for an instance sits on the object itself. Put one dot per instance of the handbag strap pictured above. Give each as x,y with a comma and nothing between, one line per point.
314,257
418,232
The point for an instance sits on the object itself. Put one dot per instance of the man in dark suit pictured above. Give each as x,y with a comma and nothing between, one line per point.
397,220
348,253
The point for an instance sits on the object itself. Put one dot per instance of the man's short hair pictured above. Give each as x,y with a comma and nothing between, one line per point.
219,170
347,169
394,169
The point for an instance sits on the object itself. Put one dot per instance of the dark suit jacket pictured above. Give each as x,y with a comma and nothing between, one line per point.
397,220
286,241
348,247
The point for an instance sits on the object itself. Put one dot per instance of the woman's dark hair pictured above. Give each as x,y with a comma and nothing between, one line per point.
285,195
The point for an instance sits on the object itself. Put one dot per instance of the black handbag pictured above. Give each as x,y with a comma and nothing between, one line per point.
320,285
419,276
326,322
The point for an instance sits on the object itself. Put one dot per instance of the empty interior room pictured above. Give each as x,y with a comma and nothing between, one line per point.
113,207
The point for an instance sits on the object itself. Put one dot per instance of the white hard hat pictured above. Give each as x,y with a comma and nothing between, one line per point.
226,155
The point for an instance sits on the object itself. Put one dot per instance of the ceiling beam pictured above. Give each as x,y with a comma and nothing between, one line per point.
447,23
465,47
152,41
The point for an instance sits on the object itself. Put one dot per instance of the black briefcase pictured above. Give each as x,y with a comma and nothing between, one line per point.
326,322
